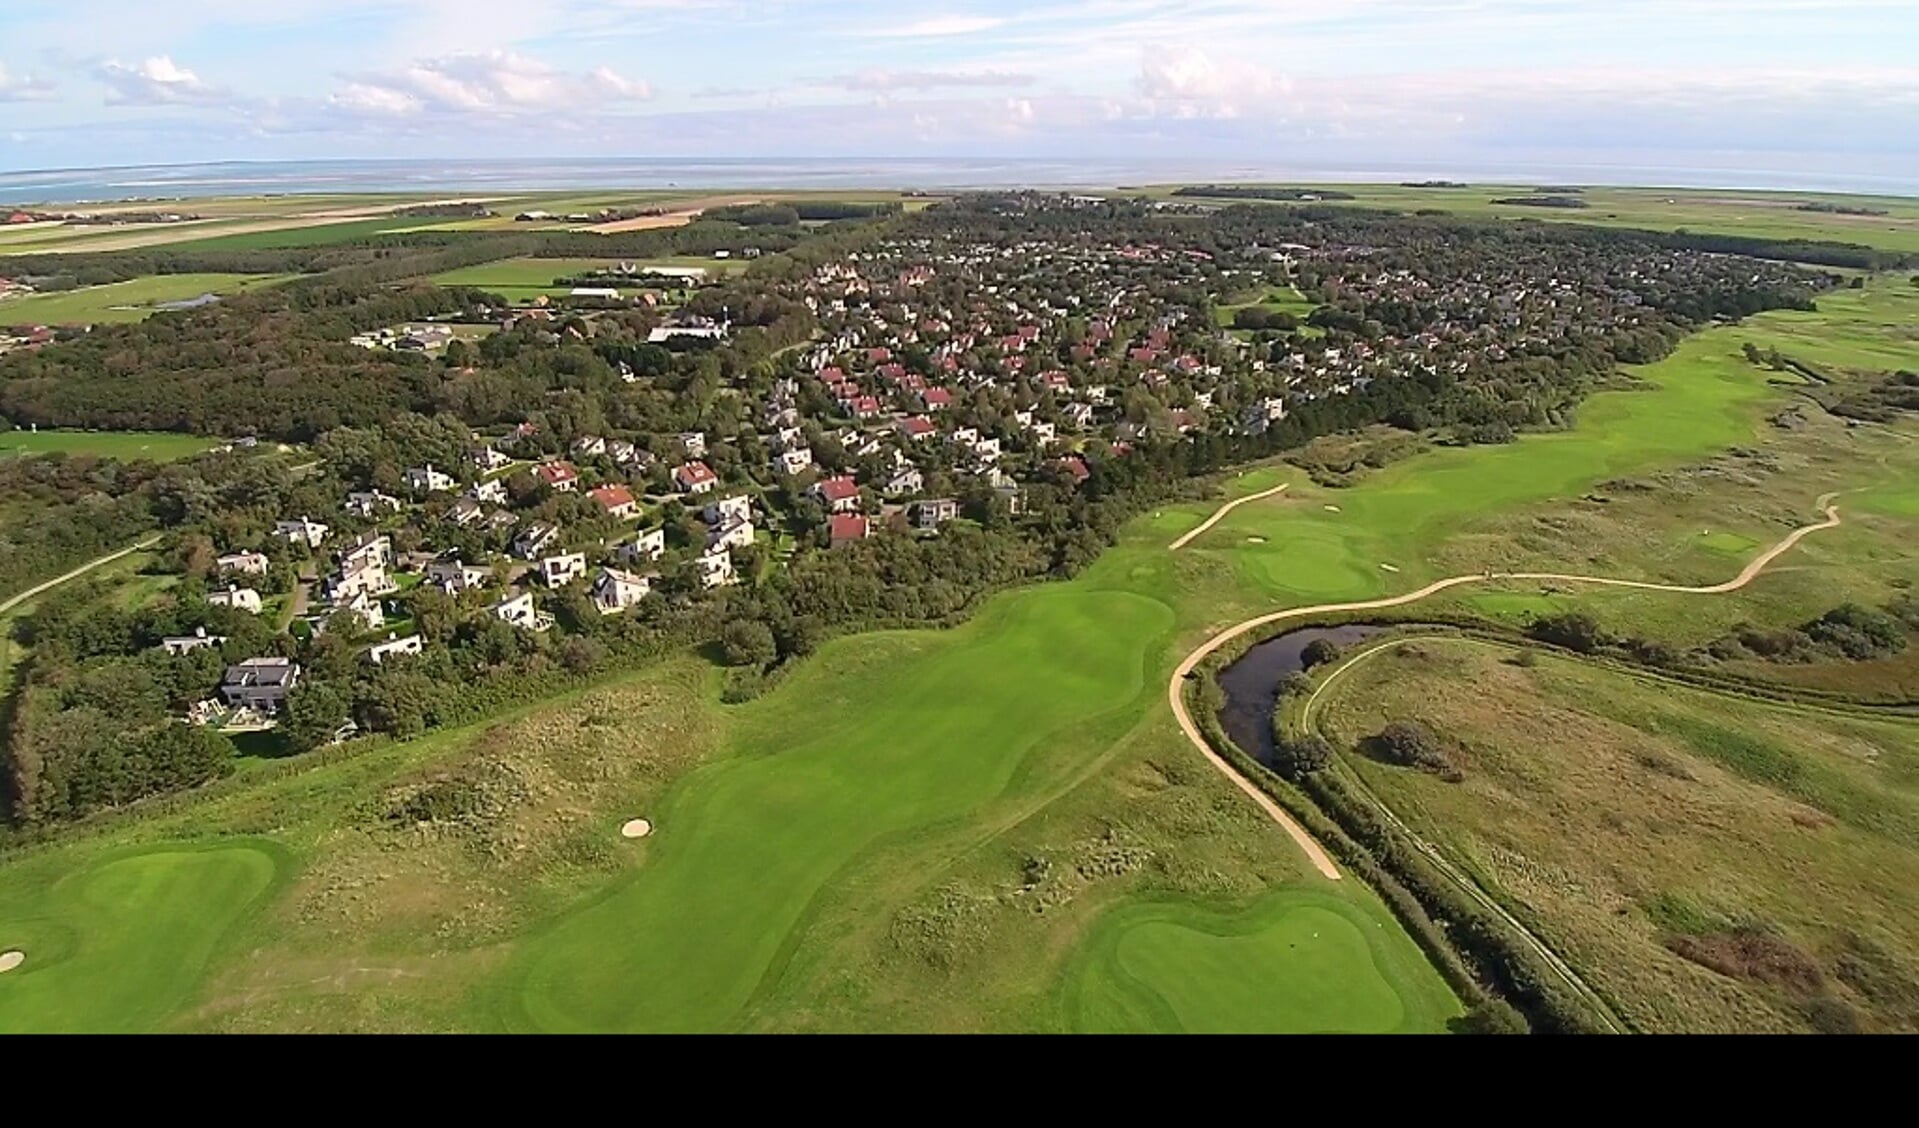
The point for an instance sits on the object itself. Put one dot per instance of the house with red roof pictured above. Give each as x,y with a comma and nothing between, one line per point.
845,528
560,475
616,500
695,478
1076,466
839,495
864,407
916,427
936,399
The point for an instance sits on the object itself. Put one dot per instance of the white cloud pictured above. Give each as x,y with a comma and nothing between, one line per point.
887,80
939,26
23,87
492,82
1191,83
159,81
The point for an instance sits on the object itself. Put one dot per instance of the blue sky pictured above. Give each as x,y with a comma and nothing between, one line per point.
1484,85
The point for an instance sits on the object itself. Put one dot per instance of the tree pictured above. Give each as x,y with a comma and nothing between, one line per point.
1494,1016
315,710
1411,744
748,642
1574,630
1302,755
1319,652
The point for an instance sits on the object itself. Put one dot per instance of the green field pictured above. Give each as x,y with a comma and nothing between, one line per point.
997,827
524,279
318,235
1768,215
154,446
133,300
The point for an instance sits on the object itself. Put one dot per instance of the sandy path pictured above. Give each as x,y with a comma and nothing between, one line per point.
82,570
686,213
1314,852
1221,512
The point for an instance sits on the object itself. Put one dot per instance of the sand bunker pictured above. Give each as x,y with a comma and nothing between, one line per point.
636,828
1256,540
1332,509
11,960
1388,568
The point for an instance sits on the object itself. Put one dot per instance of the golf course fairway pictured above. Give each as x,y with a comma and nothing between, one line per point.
123,944
827,767
1300,961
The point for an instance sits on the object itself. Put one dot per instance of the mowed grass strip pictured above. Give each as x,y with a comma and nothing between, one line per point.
133,300
128,446
1299,961
124,944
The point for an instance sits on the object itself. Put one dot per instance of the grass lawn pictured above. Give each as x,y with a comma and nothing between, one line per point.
1296,962
133,300
154,446
121,944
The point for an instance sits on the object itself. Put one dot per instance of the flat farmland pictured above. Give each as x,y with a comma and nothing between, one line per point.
132,300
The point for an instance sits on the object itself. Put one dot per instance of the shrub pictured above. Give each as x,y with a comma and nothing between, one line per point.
748,642
1858,632
1573,630
1302,755
1319,652
1411,744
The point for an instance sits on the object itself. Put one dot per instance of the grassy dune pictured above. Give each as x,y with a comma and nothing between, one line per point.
133,300
1677,818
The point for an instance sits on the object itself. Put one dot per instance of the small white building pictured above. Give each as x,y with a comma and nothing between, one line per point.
558,571
380,651
245,563
732,533
615,591
520,612
425,479
798,460
716,568
489,459
371,503
239,598
535,539
739,507
648,546
187,644
309,533
454,577
492,489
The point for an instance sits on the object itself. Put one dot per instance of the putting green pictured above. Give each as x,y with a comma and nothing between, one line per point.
883,736
123,945
1296,962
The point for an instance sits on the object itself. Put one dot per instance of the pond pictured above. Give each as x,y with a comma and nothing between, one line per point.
1251,684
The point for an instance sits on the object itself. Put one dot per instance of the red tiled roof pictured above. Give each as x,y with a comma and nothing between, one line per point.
553,473
612,497
693,473
837,489
847,527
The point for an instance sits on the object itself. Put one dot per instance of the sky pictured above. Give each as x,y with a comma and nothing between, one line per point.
1481,86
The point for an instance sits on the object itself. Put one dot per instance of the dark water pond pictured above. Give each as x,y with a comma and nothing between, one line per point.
1252,683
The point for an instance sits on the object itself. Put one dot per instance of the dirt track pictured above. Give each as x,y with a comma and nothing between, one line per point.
1314,852
1221,512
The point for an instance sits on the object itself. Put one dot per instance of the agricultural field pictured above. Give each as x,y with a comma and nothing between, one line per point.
1711,864
133,300
154,446
997,827
1771,215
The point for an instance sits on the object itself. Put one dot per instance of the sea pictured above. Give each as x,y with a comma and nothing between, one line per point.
250,178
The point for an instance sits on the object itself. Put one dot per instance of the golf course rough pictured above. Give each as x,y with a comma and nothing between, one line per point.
125,943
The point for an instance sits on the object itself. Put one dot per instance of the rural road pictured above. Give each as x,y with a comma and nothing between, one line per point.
1314,852
82,570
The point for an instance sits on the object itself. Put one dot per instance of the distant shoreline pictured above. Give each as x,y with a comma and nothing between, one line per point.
410,177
